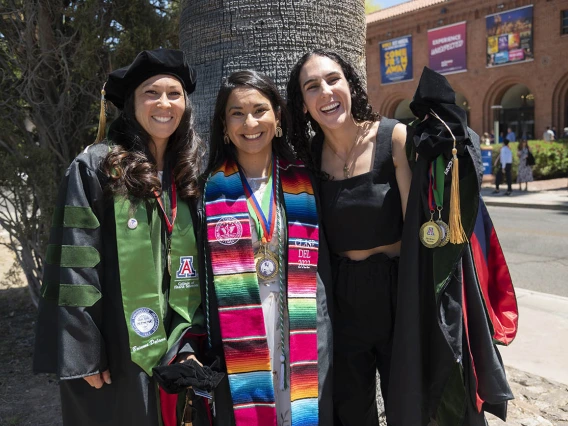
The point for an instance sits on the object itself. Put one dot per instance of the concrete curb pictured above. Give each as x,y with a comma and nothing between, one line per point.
541,206
524,292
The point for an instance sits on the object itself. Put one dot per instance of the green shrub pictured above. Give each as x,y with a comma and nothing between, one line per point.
551,159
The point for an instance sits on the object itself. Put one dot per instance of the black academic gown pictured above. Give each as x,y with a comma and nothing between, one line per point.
77,338
432,373
224,415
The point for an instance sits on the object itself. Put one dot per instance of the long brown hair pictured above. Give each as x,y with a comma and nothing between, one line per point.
131,167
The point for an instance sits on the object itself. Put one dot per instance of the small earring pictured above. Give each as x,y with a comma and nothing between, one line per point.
226,139
278,132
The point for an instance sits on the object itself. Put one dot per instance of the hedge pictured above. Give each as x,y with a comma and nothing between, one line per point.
551,158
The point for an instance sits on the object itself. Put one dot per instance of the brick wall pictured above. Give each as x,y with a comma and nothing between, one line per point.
546,76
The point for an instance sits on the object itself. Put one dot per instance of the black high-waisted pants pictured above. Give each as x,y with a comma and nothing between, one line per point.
365,306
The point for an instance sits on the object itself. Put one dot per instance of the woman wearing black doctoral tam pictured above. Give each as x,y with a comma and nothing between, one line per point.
121,287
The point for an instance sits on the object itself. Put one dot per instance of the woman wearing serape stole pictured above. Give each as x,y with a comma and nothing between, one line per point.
121,290
267,308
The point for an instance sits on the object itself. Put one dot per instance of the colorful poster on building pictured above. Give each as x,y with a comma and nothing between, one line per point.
509,36
447,48
396,60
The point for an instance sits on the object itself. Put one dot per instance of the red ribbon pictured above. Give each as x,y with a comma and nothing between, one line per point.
169,225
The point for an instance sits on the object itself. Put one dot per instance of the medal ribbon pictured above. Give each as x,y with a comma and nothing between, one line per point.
266,225
437,177
169,225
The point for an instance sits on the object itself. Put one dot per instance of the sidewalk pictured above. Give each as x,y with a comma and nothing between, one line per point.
543,194
541,346
536,362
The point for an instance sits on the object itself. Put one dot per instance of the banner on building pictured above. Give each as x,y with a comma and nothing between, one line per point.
447,48
396,60
510,36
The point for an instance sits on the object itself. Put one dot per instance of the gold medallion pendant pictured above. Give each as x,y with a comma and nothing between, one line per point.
430,234
266,264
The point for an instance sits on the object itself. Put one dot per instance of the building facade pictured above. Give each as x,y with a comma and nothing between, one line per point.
507,60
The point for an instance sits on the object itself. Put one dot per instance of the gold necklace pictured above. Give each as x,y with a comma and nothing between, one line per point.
360,135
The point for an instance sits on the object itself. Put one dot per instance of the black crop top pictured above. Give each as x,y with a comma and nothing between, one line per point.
364,211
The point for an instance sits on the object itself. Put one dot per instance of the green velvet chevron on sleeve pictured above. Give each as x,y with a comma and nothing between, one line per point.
75,217
78,295
72,256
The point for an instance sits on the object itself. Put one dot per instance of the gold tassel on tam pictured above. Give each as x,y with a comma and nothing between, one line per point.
102,118
457,234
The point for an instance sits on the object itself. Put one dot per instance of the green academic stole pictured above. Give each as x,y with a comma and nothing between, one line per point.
141,271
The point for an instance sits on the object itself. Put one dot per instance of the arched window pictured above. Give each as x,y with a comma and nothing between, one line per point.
462,102
517,112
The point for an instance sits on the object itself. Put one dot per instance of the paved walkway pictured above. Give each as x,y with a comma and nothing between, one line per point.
541,345
548,194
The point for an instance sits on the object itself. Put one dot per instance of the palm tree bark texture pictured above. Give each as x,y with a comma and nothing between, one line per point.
223,36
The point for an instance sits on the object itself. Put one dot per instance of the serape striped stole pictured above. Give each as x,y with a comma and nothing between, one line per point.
237,289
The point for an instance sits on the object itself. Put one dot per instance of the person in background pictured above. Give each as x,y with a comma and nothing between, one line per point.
506,159
548,135
501,137
554,132
486,140
524,173
511,137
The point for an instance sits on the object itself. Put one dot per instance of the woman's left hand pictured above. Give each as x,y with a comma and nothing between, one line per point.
186,357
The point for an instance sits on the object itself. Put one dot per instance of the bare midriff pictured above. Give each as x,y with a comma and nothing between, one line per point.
391,250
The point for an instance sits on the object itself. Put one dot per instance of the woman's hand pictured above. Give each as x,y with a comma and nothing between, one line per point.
97,380
186,357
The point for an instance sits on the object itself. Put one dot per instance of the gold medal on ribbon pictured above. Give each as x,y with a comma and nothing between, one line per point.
430,233
266,263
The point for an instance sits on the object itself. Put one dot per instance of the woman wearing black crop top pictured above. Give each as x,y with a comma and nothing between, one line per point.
365,180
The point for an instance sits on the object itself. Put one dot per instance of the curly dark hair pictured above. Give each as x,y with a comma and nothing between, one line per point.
303,126
219,152
131,167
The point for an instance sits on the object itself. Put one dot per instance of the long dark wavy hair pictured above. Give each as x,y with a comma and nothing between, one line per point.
219,152
131,167
303,126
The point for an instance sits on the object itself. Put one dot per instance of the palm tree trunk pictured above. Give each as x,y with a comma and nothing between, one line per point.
221,37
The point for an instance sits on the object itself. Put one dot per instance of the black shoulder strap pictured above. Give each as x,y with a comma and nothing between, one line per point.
316,146
384,140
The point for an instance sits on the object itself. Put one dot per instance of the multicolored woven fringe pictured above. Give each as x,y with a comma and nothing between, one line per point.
238,297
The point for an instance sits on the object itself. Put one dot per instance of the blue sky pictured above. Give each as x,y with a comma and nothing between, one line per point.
386,3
